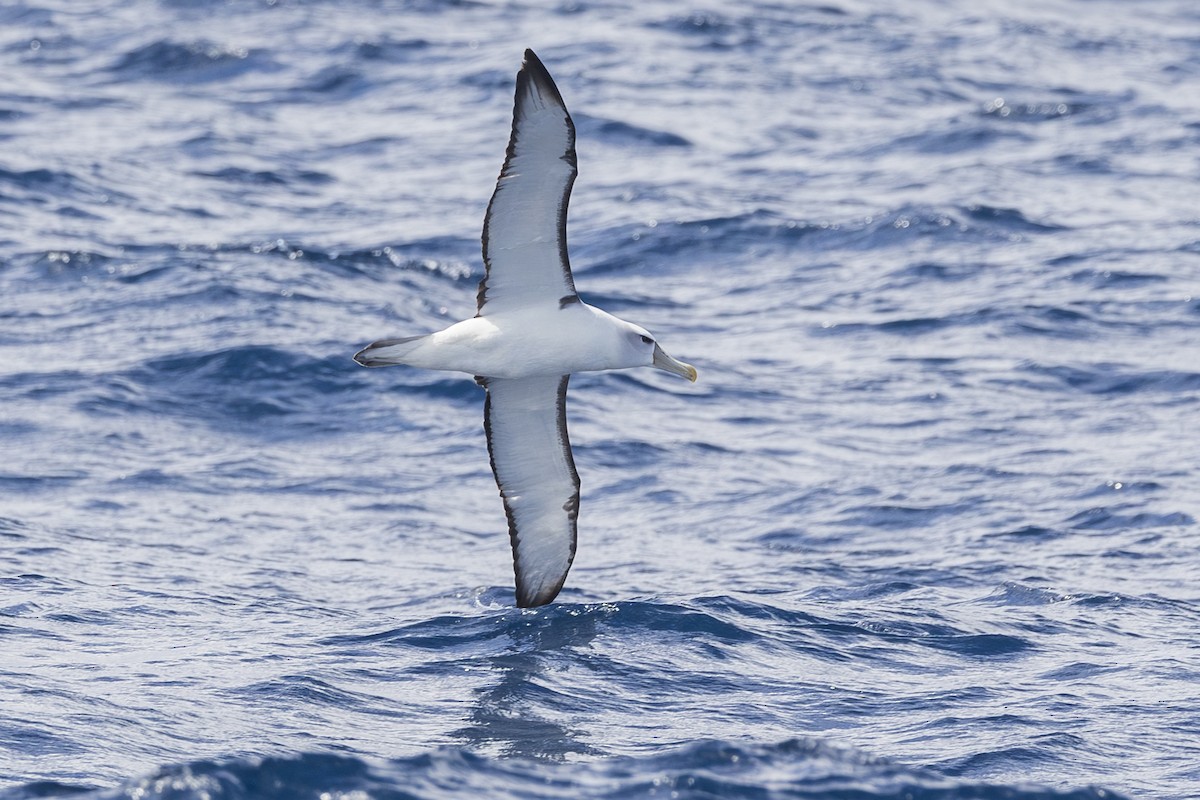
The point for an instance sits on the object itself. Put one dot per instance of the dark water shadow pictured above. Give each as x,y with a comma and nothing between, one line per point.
519,713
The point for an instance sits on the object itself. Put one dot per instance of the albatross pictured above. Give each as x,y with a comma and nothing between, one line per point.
531,332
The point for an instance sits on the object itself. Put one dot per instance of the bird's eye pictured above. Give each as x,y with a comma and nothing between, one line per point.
647,340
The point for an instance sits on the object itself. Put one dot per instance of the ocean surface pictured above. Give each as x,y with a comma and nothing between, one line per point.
926,527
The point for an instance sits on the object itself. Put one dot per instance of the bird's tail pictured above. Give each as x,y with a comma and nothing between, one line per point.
387,352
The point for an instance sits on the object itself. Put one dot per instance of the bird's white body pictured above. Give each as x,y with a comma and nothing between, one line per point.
529,342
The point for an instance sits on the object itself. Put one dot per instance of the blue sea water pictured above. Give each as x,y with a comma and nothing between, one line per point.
925,528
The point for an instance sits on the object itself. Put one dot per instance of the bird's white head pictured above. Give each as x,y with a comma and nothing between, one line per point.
644,351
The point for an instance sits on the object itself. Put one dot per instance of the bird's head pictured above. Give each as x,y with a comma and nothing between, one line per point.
648,353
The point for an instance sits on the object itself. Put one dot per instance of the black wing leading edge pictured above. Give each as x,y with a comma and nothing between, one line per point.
526,425
525,229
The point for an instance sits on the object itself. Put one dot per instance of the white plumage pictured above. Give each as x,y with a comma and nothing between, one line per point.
531,332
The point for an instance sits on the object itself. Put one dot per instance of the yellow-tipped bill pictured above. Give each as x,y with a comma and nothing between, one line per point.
664,361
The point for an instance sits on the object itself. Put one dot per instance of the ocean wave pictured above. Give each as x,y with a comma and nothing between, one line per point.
795,768
243,387
1109,379
617,132
195,61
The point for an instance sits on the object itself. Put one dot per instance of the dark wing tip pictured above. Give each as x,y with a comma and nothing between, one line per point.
525,599
530,596
533,63
533,69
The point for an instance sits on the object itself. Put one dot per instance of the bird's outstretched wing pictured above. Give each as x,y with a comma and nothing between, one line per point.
525,230
526,424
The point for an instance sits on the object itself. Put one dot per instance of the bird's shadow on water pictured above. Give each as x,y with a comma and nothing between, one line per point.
512,714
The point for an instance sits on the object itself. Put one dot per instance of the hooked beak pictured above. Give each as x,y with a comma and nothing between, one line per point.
664,361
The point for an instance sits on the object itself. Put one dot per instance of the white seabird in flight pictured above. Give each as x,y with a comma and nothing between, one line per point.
530,333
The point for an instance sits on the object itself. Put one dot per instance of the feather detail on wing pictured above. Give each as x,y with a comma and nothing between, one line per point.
526,425
525,230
